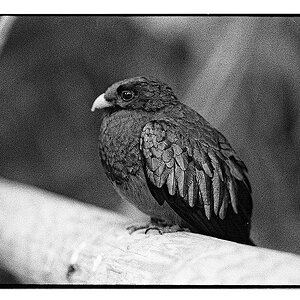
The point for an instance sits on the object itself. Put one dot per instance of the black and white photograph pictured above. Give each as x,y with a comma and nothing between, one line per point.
150,150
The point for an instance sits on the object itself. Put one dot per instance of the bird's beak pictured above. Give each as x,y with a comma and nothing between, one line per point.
100,102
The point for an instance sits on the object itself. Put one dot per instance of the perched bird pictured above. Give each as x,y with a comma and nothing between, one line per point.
168,161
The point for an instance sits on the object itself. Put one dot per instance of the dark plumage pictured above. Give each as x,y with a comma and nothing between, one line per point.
169,162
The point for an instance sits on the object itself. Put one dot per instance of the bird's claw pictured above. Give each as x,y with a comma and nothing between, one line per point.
167,229
153,228
132,228
160,228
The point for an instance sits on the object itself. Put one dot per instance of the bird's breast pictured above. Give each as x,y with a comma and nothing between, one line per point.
119,144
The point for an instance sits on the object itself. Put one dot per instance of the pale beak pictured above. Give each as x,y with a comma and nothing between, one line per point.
100,102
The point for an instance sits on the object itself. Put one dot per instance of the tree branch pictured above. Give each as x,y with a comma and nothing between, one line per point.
47,238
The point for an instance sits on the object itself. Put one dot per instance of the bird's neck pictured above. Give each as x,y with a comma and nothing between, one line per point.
124,122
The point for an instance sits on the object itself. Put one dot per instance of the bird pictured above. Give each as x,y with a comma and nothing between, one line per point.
169,162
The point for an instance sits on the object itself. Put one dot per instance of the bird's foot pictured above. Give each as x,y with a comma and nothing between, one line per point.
166,229
157,225
132,228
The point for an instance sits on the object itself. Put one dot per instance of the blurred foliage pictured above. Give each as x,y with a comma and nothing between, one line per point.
241,73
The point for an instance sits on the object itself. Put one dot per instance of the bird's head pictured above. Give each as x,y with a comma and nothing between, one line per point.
144,93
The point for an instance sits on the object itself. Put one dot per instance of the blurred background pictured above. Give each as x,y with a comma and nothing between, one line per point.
241,73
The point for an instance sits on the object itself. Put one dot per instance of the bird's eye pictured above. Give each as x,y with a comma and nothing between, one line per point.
127,95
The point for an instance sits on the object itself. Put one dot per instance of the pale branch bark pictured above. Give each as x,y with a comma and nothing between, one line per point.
47,238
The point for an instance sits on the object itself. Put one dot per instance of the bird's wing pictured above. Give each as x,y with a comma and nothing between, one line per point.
204,182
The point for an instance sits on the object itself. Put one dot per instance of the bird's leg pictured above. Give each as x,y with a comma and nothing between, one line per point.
161,226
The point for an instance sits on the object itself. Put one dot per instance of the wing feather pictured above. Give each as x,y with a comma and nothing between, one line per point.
202,183
217,187
171,183
232,193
